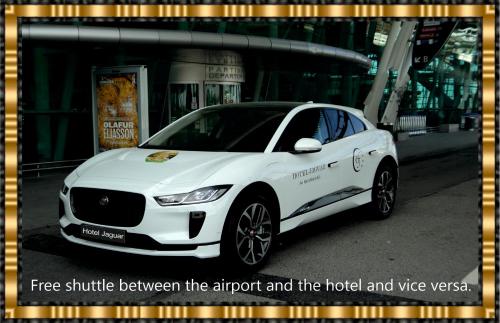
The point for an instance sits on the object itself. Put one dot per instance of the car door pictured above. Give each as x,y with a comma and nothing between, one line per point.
341,149
306,178
365,153
349,135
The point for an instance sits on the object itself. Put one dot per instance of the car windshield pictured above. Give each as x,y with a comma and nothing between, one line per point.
231,128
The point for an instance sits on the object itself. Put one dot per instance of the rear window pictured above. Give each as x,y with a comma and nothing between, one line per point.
343,124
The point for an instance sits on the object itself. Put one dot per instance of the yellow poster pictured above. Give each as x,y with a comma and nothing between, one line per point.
117,112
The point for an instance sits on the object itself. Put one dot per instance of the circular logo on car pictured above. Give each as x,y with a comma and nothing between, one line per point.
104,200
357,160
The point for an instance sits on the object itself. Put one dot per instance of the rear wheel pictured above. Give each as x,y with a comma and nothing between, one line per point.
384,191
248,234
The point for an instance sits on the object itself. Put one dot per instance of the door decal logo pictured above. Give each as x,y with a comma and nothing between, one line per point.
308,175
358,159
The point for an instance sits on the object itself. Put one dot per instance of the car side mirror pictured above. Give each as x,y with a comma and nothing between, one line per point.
307,145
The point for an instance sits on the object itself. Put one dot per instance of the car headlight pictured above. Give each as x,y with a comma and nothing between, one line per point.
202,195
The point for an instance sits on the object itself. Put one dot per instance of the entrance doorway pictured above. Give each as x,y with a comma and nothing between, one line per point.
184,98
222,93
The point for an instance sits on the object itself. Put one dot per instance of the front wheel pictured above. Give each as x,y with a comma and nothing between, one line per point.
384,191
248,234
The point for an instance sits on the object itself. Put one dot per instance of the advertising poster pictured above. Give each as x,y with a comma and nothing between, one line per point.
117,108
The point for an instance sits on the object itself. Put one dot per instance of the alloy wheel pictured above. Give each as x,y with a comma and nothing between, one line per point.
385,192
253,234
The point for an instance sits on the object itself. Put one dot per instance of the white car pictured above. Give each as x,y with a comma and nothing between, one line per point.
226,180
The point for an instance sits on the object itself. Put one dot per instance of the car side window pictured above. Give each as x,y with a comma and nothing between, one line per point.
357,124
309,123
337,120
343,124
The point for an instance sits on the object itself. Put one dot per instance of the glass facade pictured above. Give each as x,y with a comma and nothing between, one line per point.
56,99
184,98
448,88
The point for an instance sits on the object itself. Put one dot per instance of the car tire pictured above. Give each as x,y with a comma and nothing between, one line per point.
249,233
384,191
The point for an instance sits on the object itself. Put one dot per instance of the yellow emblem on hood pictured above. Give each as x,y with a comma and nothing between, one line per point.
161,156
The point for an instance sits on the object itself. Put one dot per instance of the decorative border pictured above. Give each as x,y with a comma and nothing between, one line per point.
13,12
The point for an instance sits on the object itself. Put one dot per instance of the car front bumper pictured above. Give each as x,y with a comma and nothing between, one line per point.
198,251
163,231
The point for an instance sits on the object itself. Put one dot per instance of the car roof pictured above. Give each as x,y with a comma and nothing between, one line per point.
357,112
285,105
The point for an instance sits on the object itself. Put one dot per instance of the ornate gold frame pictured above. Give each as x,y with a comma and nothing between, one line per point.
486,12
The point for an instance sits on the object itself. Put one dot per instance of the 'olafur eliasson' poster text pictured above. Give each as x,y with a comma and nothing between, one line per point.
117,113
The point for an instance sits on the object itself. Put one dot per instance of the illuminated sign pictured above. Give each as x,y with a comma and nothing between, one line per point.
429,39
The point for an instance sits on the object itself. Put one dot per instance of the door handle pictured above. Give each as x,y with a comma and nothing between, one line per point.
373,152
332,164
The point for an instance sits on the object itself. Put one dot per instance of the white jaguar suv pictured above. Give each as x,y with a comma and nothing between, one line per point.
226,180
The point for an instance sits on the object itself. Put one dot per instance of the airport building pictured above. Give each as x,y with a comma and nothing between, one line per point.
157,71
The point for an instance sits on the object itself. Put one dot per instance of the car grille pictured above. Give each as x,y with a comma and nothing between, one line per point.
107,207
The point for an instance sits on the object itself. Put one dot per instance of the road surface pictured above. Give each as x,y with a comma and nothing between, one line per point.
432,237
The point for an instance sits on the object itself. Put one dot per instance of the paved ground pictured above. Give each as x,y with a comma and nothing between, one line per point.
432,236
434,144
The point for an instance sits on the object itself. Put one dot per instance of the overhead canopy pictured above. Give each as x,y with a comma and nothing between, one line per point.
120,35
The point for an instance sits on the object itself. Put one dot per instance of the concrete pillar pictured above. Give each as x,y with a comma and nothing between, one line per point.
374,97
392,108
401,59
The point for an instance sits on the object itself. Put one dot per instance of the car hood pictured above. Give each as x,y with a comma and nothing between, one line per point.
156,166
